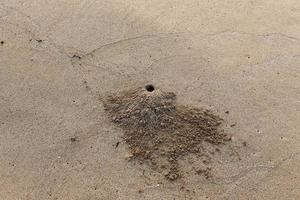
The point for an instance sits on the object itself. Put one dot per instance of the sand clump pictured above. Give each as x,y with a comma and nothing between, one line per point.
158,131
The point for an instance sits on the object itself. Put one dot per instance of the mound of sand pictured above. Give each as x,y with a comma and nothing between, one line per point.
158,131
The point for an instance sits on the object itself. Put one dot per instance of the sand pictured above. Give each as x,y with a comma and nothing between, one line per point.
238,59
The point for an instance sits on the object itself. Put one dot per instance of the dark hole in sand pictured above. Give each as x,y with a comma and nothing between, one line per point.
149,88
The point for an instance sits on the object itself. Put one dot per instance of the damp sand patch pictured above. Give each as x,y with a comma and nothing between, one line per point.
159,132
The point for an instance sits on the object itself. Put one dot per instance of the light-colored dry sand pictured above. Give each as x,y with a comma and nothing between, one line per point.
241,56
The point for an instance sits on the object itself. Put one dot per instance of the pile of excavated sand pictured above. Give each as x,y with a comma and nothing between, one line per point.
158,131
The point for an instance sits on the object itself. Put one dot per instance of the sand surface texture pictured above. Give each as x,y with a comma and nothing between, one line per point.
60,59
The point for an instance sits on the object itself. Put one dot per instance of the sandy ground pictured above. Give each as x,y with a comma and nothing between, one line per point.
58,57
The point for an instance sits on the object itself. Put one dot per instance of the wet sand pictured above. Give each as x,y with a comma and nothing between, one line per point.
58,59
